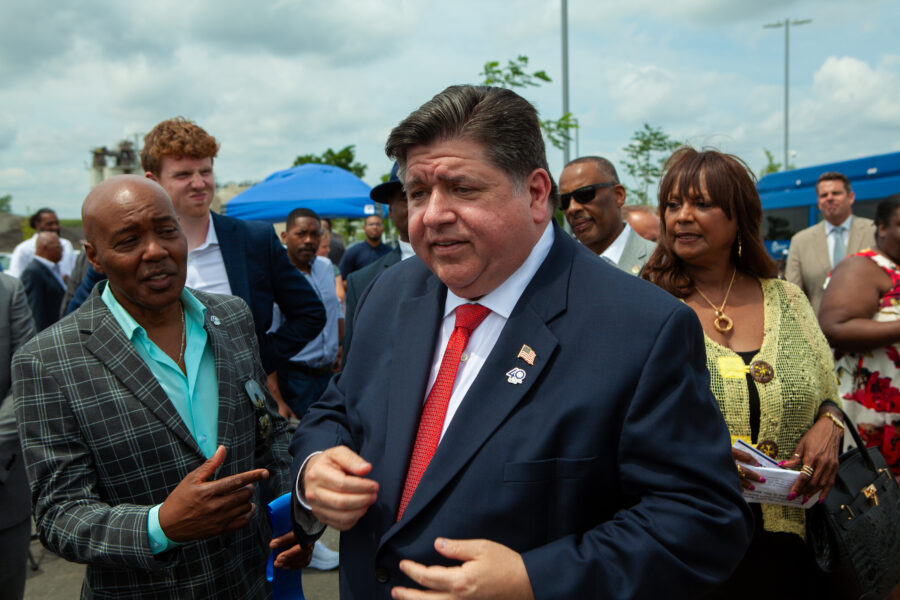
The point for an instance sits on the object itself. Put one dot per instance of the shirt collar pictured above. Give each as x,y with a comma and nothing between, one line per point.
614,251
47,263
504,298
406,250
846,225
211,240
193,310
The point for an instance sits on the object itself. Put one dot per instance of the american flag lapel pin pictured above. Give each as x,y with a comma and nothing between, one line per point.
527,354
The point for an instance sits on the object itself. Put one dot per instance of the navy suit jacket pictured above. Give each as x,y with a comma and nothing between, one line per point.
45,293
608,467
259,273
357,282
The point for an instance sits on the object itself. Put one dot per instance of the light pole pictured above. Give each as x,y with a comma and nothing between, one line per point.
565,72
787,53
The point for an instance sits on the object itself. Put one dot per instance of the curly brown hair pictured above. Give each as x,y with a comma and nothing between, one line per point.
731,186
178,138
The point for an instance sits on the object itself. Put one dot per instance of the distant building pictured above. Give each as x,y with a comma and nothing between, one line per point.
108,163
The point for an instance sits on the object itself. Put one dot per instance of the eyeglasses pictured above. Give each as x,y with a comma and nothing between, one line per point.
585,194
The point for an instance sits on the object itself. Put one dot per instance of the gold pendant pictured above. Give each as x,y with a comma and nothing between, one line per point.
726,325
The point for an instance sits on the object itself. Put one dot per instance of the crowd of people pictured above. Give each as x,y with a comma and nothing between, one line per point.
494,408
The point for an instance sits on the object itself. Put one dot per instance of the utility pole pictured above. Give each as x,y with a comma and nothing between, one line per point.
565,72
787,53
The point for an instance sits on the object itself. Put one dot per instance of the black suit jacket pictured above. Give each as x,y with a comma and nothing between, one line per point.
608,467
45,293
357,282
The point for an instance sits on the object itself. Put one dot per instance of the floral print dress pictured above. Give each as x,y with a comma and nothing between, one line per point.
868,382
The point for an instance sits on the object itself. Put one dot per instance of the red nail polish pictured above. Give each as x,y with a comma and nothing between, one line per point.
782,463
791,496
762,479
752,487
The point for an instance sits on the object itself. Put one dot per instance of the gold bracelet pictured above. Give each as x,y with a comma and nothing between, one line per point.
834,420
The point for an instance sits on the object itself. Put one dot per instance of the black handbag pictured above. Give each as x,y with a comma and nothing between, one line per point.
855,532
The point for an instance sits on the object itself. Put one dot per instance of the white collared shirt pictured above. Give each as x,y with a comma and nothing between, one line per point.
501,301
830,236
615,250
406,250
206,267
54,268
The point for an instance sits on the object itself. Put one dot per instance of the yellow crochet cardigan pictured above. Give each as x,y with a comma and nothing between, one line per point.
804,377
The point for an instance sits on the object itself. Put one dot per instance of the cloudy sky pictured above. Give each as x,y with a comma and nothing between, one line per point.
272,80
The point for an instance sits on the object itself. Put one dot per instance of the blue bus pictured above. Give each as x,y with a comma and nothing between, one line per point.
789,197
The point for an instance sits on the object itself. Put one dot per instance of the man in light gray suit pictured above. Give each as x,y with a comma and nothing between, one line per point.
592,198
16,328
145,421
816,250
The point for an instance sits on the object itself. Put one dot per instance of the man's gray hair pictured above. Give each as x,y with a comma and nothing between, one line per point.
503,122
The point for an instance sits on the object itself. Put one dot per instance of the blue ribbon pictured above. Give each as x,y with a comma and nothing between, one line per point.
286,583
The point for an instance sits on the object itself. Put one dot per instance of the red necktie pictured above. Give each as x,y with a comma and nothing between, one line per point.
468,317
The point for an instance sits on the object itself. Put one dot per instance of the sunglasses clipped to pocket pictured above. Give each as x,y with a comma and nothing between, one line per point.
585,194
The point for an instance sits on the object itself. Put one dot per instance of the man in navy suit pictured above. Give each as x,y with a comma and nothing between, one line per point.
567,446
227,255
43,280
391,193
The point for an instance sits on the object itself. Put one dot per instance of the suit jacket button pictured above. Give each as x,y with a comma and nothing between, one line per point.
382,575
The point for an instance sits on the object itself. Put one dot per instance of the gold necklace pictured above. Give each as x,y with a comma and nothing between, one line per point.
720,315
183,338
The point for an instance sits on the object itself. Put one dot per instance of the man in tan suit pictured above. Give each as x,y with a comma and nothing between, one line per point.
816,250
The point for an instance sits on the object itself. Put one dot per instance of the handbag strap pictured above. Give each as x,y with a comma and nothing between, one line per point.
860,446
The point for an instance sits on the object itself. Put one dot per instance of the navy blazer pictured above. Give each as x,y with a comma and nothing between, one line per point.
45,293
260,273
608,467
357,282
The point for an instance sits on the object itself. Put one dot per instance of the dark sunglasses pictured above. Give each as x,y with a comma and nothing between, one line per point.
585,194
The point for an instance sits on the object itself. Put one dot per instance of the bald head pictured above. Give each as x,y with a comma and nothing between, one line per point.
48,246
115,190
133,236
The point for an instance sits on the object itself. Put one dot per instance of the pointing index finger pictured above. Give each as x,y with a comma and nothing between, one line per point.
229,484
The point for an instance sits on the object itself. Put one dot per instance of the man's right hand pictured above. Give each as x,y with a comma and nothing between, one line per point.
198,509
336,489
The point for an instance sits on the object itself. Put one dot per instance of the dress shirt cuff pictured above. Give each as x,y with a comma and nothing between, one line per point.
302,511
159,543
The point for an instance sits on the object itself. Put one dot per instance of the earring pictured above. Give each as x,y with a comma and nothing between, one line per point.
740,248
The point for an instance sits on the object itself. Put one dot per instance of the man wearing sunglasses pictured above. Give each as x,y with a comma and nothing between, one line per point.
592,199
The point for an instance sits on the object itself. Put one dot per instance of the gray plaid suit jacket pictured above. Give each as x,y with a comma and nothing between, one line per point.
103,444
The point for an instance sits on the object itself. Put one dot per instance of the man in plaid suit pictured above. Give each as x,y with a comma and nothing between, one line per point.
144,419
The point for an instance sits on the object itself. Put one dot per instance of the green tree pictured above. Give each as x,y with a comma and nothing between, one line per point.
772,166
647,153
516,75
344,158
6,203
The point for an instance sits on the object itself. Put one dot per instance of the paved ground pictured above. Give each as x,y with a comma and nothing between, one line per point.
60,579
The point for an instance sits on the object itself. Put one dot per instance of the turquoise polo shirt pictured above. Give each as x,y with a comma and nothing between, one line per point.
195,394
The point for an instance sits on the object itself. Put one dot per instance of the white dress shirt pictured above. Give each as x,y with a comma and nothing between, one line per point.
830,233
24,252
501,301
406,250
615,250
206,267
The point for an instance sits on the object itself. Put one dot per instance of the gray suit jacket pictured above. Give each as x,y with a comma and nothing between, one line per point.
16,328
103,444
808,262
636,253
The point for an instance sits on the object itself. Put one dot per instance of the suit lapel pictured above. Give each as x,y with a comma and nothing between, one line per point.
229,392
819,248
856,241
231,245
106,340
410,367
492,397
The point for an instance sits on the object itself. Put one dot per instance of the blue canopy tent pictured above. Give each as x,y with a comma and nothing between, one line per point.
330,191
789,197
